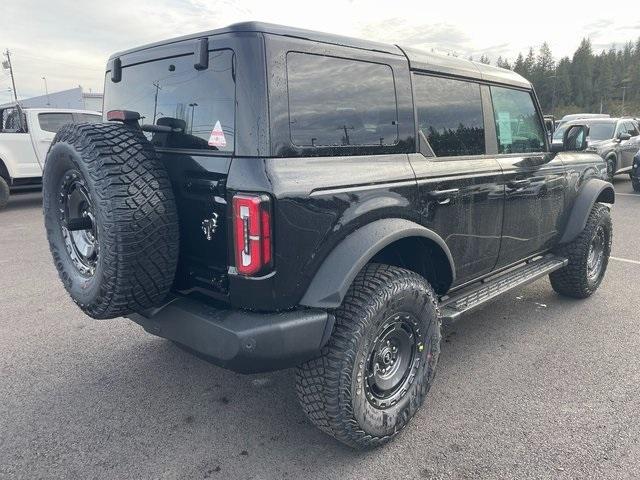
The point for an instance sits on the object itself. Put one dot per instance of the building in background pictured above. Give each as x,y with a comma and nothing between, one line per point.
73,98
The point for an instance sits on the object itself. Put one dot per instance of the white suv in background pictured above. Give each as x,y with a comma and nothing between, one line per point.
25,136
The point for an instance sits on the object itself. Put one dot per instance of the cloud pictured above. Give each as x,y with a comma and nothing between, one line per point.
69,41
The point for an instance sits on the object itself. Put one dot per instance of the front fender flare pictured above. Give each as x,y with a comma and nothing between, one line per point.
332,280
590,193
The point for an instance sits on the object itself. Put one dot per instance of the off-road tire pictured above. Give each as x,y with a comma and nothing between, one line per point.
573,280
331,388
136,220
4,193
635,182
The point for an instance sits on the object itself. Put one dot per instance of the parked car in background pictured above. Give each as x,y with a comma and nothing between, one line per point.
25,136
635,172
580,116
616,140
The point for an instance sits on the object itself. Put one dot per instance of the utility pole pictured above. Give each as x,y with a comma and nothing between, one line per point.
624,89
46,91
155,100
193,108
7,65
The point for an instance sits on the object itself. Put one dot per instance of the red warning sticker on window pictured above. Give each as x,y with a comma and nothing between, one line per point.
217,136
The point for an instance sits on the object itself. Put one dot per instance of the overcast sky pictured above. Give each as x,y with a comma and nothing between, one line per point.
68,42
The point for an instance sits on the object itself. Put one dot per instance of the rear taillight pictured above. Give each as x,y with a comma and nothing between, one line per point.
252,233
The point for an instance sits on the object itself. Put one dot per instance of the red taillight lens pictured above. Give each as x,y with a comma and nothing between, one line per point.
252,233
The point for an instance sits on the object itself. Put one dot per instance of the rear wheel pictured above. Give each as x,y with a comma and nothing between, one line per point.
4,192
588,257
635,181
379,364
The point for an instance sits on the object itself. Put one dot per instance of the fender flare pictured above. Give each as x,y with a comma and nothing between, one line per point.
332,280
592,191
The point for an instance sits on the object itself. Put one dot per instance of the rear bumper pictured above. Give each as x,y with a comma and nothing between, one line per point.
246,342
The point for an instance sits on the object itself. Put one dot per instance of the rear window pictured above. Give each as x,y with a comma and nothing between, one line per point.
339,102
171,92
450,115
52,122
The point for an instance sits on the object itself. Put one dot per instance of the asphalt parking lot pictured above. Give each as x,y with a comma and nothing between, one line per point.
531,386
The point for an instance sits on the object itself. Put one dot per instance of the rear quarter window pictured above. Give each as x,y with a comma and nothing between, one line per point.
340,102
450,115
52,122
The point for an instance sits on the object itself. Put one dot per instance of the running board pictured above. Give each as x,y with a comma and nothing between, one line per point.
469,298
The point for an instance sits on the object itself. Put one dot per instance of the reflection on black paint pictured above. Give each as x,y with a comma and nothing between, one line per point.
334,101
450,115
172,92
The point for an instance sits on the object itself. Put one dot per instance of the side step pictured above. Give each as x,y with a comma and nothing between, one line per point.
476,295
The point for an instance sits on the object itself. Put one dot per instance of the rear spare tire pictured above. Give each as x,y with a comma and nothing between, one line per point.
111,218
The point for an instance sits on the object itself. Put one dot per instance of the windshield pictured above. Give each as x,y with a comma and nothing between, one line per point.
198,104
601,131
597,131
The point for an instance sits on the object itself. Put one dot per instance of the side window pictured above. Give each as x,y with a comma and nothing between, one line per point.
339,102
450,115
52,122
517,123
11,122
631,129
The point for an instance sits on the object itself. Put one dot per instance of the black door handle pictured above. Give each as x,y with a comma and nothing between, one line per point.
518,183
444,196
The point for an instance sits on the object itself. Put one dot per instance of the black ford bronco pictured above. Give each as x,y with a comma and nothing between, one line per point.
268,197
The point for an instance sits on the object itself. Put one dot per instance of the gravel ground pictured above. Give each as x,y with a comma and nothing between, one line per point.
532,386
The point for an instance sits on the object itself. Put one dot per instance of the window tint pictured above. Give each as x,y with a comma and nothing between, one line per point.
450,115
170,92
333,101
517,122
88,118
52,122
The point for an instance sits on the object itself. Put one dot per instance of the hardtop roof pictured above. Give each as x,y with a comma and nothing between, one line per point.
418,60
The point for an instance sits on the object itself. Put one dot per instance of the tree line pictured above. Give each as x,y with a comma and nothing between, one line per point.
605,82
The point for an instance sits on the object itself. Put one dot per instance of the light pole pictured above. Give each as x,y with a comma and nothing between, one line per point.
46,91
193,109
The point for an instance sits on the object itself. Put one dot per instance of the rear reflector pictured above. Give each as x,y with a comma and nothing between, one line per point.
252,234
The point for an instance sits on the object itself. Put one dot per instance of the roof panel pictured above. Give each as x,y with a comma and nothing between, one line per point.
432,62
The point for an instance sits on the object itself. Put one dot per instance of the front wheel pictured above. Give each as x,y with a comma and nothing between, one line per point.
380,361
588,257
4,193
611,168
635,182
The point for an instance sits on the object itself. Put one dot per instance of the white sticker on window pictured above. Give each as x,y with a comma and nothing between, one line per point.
504,124
217,136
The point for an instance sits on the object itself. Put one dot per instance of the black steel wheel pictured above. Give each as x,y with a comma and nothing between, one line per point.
380,361
393,359
77,223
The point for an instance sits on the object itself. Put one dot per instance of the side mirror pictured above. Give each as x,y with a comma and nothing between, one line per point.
624,136
573,140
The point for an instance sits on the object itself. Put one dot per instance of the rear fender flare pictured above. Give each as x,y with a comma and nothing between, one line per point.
595,190
331,282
